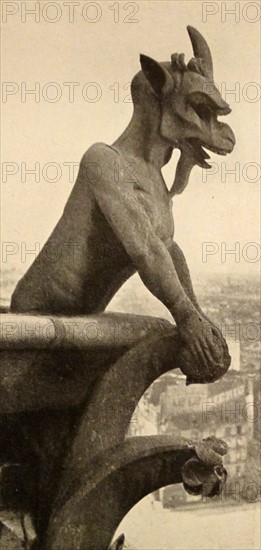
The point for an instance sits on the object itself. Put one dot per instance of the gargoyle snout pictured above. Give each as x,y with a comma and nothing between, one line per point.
228,136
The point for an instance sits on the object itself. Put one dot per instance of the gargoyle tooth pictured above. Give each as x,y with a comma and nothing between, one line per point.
204,153
205,164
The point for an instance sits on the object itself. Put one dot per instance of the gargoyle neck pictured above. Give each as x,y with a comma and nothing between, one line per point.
142,136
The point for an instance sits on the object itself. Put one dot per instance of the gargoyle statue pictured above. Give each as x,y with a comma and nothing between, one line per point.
118,218
117,221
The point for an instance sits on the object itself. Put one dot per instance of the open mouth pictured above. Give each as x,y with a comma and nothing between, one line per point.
196,149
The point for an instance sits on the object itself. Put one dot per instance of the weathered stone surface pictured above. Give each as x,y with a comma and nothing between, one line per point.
103,331
103,421
121,477
8,540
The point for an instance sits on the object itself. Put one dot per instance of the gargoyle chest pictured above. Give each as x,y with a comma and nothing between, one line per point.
158,207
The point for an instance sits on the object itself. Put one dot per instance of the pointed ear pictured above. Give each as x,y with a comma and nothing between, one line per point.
158,77
118,543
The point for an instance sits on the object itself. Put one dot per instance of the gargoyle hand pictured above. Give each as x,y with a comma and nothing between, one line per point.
206,357
198,335
211,326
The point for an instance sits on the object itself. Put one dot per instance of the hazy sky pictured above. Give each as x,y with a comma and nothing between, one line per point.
215,207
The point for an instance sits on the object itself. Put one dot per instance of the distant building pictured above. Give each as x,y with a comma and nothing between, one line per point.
145,418
225,409
234,351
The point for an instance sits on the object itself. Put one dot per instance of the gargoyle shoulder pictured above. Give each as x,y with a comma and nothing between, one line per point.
99,161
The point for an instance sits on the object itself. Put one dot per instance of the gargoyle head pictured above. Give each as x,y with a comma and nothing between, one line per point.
190,102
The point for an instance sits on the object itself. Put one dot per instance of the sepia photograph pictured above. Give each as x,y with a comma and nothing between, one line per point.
130,410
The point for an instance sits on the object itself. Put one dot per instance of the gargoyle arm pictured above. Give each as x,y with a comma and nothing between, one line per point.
183,273
133,228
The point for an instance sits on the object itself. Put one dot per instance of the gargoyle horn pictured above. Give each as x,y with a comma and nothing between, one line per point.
201,51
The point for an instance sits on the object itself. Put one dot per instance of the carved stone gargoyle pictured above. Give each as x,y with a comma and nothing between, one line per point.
67,398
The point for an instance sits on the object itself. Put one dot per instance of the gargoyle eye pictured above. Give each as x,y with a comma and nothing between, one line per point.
203,110
207,110
206,105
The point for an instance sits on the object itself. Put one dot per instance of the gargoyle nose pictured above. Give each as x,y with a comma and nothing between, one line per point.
228,135
231,137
